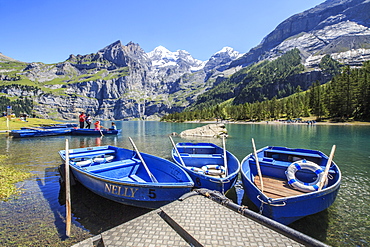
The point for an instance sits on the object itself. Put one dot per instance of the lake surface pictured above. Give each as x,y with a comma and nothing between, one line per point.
36,217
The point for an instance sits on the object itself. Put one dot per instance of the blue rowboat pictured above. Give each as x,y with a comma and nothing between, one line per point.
290,179
68,126
206,165
64,125
37,132
119,174
95,132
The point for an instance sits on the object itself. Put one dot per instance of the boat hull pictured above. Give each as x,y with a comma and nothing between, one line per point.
124,180
289,208
202,154
94,132
37,132
137,195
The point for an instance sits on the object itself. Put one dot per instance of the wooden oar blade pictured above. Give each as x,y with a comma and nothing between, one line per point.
327,167
257,164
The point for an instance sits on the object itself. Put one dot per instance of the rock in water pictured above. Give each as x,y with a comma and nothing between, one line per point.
210,130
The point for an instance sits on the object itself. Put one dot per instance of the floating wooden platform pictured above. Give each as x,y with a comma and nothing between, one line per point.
276,188
195,221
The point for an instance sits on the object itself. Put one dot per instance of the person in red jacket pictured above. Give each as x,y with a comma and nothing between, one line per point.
82,119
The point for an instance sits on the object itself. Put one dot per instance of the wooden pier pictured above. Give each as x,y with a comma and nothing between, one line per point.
202,219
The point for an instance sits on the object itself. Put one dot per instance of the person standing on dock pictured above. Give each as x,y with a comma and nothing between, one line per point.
82,118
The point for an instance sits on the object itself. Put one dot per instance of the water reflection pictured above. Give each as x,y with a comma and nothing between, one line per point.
37,215
49,187
96,213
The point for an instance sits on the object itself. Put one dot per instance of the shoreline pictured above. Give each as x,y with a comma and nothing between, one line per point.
354,123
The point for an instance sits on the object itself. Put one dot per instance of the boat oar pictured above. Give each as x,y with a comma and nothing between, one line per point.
101,132
154,180
68,194
326,171
177,151
257,164
225,158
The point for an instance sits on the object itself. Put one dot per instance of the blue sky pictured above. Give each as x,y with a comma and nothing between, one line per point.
50,30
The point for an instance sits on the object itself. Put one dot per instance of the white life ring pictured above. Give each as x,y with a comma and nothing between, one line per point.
213,170
304,165
103,159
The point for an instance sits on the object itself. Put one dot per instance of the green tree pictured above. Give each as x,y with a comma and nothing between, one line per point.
317,100
329,66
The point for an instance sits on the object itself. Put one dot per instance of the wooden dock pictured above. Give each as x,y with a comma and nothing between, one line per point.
201,220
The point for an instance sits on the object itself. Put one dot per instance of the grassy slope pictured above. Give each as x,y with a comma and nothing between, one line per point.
16,123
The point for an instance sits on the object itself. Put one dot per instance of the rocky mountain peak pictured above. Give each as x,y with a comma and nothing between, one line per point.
221,59
229,52
162,57
114,53
122,81
161,52
313,30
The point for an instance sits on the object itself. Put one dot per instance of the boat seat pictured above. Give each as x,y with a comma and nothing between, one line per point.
280,164
110,165
137,179
268,153
268,159
216,156
90,154
272,162
132,177
196,147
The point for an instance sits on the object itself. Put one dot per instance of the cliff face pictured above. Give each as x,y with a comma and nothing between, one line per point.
122,81
117,82
333,27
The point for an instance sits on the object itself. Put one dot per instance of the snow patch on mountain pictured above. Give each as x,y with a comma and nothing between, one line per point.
162,57
230,52
221,59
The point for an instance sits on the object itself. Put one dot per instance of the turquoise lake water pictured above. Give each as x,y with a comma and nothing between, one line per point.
36,217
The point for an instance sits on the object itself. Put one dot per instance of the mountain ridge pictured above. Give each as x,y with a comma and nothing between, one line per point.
329,13
123,81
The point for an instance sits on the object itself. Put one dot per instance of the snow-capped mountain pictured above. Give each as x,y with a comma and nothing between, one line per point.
123,81
221,59
162,57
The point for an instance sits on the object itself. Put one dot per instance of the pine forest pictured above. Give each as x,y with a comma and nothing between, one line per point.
346,97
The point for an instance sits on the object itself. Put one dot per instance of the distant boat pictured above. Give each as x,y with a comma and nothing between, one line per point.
120,175
95,132
64,125
39,131
290,179
205,164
